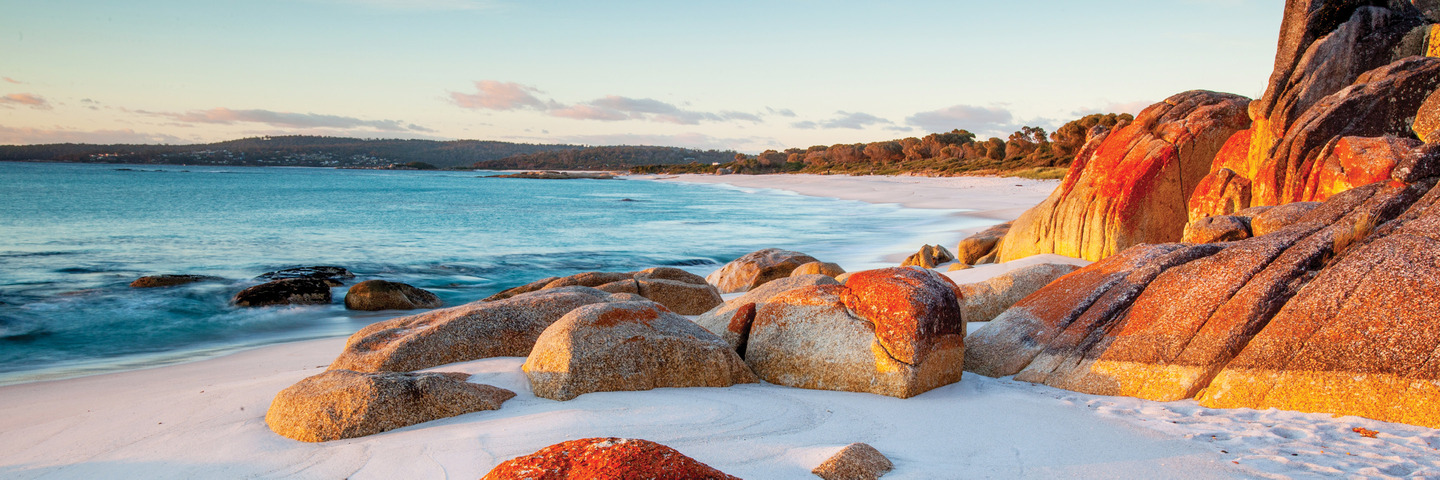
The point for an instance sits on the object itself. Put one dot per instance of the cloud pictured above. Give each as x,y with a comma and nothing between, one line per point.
25,99
784,112
11,80
494,95
226,116
1132,108
503,96
844,119
32,136
969,117
686,140
422,5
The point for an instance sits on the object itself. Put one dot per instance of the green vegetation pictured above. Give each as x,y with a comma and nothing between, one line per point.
1029,152
293,150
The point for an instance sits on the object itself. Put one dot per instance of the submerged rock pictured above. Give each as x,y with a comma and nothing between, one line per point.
156,281
605,458
290,291
382,295
334,276
342,404
756,268
626,347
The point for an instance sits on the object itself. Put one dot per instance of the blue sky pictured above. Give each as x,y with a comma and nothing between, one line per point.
742,75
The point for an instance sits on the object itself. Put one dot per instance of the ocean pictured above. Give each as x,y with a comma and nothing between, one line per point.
73,236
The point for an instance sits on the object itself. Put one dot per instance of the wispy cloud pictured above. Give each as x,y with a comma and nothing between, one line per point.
11,80
1132,108
32,136
503,96
687,140
975,118
422,5
226,116
844,119
26,100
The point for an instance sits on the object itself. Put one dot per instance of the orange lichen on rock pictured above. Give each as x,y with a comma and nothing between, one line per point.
605,459
910,308
1221,192
1133,186
1350,162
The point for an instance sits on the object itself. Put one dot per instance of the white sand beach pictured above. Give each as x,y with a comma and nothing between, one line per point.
205,419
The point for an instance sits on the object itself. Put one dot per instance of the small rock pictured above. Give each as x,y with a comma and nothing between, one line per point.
290,291
1217,228
857,461
374,295
341,404
822,268
605,458
929,256
155,281
972,249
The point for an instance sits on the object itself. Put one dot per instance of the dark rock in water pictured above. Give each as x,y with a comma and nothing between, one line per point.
331,275
153,281
690,262
628,200
290,291
557,175
374,295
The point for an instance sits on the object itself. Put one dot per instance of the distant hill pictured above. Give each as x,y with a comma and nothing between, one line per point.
609,158
293,150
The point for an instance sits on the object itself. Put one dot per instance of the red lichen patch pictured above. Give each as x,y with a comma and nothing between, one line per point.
740,322
1365,432
626,315
605,459
1235,155
1351,162
1221,192
909,307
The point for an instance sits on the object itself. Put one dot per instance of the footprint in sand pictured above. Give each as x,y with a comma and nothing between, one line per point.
1290,433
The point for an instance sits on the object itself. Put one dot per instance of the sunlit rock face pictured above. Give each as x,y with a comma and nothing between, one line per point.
894,331
1332,313
341,404
1130,186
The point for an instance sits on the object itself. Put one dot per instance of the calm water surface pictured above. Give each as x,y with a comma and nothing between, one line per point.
73,236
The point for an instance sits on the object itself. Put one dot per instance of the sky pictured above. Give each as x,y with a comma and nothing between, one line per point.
742,75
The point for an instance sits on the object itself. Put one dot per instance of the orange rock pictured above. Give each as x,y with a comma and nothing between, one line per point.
1132,187
1350,162
605,459
341,404
1427,118
1221,192
909,307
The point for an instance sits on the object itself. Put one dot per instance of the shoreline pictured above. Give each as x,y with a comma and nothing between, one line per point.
147,423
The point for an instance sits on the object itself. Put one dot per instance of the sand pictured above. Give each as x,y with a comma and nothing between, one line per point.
206,419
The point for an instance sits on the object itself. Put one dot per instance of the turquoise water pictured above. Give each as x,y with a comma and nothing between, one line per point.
73,236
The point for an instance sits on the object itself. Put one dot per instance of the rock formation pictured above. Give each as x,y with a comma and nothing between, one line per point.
156,281
894,331
341,404
629,346
1340,71
983,301
929,256
857,461
821,268
290,291
374,295
334,276
681,291
1130,186
1326,314
732,320
504,328
605,458
1219,228
756,268
977,246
